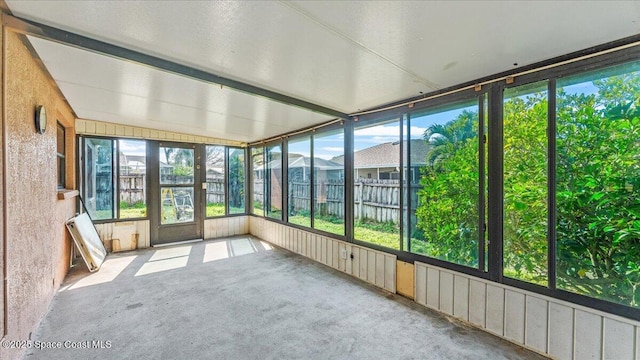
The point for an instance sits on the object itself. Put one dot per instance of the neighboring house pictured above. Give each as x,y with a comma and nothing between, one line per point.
300,169
382,161
215,174
132,164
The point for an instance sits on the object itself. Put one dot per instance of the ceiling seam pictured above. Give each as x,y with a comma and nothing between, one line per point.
428,83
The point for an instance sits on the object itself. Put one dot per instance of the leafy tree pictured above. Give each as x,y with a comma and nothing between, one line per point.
448,200
236,179
525,186
446,139
597,189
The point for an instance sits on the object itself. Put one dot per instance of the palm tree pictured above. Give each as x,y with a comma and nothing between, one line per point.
446,139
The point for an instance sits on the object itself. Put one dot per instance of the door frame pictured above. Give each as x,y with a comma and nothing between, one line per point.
168,233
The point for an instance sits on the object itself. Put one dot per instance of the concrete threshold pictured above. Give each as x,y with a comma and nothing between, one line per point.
177,243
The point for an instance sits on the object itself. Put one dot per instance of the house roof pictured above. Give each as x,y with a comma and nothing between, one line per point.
299,161
387,155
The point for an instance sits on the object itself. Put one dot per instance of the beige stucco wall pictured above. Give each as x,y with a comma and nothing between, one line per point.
37,243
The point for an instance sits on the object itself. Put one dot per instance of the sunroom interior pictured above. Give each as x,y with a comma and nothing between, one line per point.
477,160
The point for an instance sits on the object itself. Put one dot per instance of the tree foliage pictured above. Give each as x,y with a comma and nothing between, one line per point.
236,179
448,200
525,186
597,189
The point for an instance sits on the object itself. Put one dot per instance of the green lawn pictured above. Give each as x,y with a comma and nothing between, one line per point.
236,210
380,234
301,220
215,209
132,211
364,232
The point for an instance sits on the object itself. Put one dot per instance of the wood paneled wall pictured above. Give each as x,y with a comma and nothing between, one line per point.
375,267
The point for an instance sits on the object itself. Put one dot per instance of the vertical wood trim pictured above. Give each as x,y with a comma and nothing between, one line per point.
364,267
420,283
318,241
380,273
355,263
390,273
348,264
446,296
433,288
371,266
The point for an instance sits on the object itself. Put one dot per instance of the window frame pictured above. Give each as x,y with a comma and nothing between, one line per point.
225,182
492,113
301,138
332,130
267,180
251,192
61,157
228,181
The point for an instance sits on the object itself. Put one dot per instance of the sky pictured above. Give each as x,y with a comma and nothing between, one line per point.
132,147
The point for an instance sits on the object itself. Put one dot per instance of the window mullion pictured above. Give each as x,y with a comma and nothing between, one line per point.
551,191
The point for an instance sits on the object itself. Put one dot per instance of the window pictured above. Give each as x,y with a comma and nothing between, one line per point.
215,193
132,178
61,157
328,181
525,182
299,181
273,178
236,181
257,184
377,199
111,192
565,161
99,195
177,177
598,184
445,207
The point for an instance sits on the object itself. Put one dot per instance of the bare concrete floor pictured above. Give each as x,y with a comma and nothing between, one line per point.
239,298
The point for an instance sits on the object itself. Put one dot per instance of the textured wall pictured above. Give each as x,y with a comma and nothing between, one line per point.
37,243
2,242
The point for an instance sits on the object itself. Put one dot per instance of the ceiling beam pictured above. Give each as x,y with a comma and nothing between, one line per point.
29,27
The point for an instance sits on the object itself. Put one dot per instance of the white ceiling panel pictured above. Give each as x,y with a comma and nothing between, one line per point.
452,42
344,55
104,88
264,43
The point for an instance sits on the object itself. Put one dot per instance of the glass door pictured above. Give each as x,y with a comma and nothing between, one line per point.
177,215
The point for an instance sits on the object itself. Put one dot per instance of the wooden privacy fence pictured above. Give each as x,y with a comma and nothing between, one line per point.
215,191
375,200
132,188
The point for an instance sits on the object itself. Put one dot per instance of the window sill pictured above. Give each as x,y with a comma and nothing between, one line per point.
65,194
